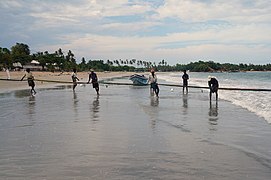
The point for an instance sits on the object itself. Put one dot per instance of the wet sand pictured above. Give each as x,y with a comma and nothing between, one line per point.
127,134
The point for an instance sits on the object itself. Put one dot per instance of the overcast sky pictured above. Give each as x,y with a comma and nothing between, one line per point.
179,31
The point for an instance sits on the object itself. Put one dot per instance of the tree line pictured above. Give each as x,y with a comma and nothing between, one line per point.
61,61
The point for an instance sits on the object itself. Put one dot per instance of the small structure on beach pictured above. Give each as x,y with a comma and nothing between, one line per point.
18,66
33,66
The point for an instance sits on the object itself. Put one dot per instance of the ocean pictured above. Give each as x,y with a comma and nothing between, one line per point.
256,102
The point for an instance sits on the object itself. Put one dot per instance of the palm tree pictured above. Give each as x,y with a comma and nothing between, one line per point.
117,62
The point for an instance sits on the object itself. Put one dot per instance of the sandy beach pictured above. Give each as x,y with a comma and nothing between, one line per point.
56,76
127,134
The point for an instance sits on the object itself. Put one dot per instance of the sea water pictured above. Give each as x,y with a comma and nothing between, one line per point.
258,102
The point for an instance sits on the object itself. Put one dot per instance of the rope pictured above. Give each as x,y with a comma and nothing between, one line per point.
130,84
198,87
44,80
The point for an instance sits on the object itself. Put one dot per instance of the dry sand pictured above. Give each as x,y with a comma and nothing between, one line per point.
56,76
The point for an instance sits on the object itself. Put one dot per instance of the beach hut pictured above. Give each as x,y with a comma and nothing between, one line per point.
17,65
34,65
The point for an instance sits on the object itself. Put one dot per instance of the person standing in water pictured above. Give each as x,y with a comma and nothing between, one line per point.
213,85
74,79
30,80
185,78
94,80
153,80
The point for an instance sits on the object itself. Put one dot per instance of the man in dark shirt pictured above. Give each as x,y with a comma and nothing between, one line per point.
213,85
185,81
94,80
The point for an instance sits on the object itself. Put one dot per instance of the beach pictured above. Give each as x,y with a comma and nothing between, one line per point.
51,76
125,133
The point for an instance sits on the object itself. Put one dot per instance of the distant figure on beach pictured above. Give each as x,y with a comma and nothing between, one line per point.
30,80
74,79
8,75
154,85
7,72
185,78
94,80
213,85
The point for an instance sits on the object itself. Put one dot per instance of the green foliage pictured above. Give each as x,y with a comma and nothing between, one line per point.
66,62
20,53
5,57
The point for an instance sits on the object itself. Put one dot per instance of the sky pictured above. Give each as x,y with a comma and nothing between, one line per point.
178,31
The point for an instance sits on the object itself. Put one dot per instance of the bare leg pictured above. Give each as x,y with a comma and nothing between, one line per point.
74,87
97,90
157,91
33,90
151,91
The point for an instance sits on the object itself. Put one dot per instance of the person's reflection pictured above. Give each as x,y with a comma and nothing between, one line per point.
75,103
154,101
95,108
153,112
213,113
185,103
31,109
32,101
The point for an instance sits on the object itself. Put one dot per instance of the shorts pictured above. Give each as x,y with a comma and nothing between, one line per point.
214,89
31,82
95,84
154,86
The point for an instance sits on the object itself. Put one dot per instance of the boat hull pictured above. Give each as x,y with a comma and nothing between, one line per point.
139,80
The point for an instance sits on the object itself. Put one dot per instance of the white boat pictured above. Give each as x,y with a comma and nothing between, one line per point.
140,80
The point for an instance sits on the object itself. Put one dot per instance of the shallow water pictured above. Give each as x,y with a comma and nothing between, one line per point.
126,134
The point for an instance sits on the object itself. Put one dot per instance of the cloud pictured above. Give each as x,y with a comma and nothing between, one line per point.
154,29
223,45
233,11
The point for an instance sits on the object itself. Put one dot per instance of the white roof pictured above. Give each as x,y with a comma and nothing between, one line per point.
17,64
34,62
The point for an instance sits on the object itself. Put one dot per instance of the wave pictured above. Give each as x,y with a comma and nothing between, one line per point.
256,102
